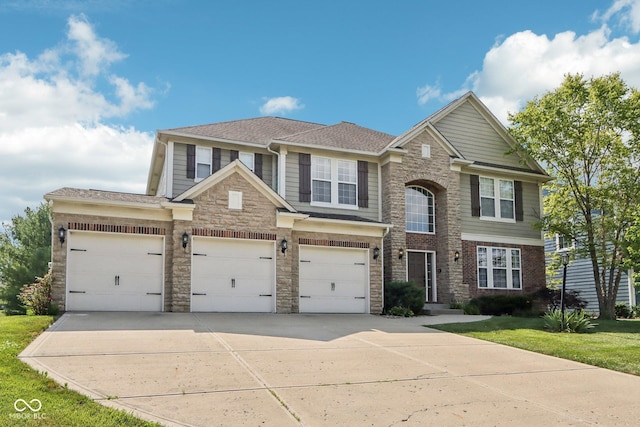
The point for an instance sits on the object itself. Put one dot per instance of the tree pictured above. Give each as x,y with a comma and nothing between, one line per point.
25,251
585,133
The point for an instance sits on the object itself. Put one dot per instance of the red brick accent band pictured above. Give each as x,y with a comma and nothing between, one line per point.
337,243
204,232
111,228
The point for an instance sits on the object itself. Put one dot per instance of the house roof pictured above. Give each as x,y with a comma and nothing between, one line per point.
259,130
343,136
67,193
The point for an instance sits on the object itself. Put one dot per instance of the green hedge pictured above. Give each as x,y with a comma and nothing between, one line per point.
497,305
404,294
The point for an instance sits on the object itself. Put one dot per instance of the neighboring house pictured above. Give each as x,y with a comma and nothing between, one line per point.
580,276
278,215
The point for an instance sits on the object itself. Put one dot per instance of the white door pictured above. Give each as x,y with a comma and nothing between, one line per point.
114,272
333,280
232,275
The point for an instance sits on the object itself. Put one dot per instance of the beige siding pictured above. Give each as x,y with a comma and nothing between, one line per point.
521,229
470,133
181,183
292,187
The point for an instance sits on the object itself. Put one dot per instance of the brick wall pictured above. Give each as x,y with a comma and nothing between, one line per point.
532,262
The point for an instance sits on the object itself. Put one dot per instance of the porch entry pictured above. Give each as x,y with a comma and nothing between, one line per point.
421,270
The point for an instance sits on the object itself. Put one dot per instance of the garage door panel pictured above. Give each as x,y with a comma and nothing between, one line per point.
114,272
333,280
232,275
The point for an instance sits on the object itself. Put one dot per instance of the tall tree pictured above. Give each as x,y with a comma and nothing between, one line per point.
25,251
585,133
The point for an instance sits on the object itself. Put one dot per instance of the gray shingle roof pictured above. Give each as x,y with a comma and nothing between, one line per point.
260,130
263,130
343,135
100,195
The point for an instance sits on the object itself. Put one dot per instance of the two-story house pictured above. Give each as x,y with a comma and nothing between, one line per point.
278,215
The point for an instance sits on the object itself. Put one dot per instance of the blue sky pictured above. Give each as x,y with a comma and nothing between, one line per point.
85,84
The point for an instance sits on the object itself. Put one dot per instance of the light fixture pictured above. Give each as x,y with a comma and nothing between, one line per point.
456,256
565,258
185,240
284,245
376,253
400,253
62,234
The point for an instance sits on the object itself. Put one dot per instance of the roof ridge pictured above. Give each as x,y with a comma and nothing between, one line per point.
244,120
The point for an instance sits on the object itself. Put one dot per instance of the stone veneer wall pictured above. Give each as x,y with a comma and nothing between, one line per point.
436,174
533,271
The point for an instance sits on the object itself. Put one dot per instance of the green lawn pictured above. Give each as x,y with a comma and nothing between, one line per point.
59,405
612,344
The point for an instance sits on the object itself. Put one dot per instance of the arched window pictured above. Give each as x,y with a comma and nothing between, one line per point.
420,210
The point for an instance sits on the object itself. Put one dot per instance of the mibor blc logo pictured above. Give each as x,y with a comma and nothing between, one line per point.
21,405
28,410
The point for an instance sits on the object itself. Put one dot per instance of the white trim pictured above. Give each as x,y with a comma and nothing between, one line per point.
490,267
433,273
282,172
508,240
497,200
169,165
335,182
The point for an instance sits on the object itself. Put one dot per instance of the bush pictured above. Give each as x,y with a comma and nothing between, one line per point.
551,298
497,305
471,309
404,294
37,296
623,311
635,311
400,311
577,321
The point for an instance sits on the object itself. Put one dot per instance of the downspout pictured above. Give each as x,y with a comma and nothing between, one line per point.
279,171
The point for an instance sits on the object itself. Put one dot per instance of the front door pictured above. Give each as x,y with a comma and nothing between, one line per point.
420,266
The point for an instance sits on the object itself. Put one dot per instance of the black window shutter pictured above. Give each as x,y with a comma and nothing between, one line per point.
517,186
304,191
475,195
257,164
363,184
191,161
234,155
215,159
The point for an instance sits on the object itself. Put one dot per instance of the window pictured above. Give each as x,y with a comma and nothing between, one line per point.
420,211
203,163
564,243
499,268
426,151
497,198
247,159
334,182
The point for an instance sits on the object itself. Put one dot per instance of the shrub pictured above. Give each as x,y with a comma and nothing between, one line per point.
471,309
576,321
551,298
623,311
404,294
37,296
635,311
400,311
497,305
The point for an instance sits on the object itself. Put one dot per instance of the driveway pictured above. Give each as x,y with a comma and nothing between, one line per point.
321,370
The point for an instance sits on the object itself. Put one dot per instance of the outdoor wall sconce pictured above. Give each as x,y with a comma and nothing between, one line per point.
376,253
284,245
62,234
185,240
400,253
456,256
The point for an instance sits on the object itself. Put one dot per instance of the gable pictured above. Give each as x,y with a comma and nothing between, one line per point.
471,134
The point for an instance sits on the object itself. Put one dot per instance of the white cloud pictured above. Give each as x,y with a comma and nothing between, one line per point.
428,92
526,64
627,11
280,105
52,131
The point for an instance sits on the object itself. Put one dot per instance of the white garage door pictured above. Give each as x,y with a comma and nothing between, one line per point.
333,280
114,272
232,275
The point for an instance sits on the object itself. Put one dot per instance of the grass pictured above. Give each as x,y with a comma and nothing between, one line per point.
612,344
60,406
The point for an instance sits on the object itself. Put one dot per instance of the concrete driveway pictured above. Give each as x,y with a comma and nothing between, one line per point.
317,370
